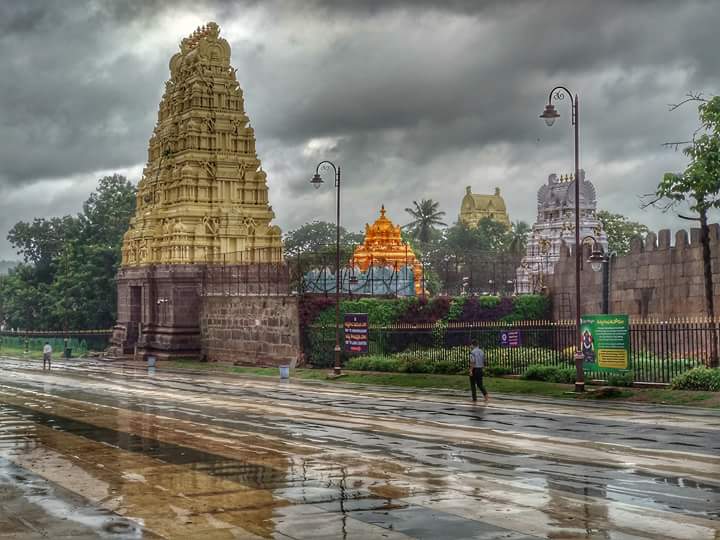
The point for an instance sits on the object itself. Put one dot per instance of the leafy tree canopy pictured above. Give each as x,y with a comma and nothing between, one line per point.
489,235
620,231
698,186
68,277
319,237
105,214
699,183
40,241
7,266
519,233
426,218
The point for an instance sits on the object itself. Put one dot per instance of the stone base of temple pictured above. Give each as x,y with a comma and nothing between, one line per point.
231,313
251,330
158,311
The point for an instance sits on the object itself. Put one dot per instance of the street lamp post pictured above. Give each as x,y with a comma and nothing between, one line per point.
550,114
606,281
599,260
317,181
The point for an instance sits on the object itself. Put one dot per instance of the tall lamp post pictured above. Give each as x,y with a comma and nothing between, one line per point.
599,260
317,181
550,114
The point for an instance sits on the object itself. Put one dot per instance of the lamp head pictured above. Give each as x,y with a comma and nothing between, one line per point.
596,259
317,181
550,114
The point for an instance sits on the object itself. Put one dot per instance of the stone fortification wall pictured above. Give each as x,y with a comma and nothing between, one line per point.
257,330
657,279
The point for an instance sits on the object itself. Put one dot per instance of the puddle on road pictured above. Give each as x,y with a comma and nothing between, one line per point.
177,490
188,478
32,505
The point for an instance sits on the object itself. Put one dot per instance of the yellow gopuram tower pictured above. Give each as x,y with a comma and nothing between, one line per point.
202,202
203,196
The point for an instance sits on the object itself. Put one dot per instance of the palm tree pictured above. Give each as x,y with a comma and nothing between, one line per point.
426,217
518,236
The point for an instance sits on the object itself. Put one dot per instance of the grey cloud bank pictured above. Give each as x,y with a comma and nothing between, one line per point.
413,99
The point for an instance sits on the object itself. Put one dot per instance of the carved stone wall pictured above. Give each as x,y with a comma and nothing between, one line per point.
657,279
253,330
158,308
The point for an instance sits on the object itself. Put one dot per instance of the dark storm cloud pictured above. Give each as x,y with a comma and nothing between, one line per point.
415,99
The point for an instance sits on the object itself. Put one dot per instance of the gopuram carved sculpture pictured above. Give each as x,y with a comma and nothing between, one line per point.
555,226
202,205
203,182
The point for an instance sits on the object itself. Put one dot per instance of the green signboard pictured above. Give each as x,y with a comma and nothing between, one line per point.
605,342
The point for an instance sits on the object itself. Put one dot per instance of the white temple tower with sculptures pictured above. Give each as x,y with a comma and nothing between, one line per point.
555,225
202,200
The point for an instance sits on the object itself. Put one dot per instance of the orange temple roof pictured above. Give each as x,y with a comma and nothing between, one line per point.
383,245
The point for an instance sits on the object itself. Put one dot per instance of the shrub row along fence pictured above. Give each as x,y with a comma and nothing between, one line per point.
660,350
80,342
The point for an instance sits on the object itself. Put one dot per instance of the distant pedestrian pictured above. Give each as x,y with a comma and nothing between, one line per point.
477,364
47,355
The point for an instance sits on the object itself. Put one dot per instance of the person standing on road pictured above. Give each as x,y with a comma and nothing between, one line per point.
47,355
477,364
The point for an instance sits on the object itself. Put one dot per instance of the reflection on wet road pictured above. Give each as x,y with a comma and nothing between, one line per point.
101,451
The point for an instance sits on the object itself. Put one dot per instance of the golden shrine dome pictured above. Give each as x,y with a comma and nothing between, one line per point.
383,246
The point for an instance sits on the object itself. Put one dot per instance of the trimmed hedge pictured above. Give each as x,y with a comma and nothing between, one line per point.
701,378
554,374
380,311
623,378
408,363
387,311
404,363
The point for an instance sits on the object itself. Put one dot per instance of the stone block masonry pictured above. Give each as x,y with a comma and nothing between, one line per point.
655,279
250,330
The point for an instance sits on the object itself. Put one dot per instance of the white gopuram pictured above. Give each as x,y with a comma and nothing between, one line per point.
556,224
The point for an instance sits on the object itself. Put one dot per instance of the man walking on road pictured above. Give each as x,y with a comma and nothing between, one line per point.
477,364
47,355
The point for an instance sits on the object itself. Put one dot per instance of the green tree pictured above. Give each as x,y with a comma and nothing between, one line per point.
319,238
698,186
489,235
620,231
7,266
426,217
106,212
68,277
22,299
519,233
40,241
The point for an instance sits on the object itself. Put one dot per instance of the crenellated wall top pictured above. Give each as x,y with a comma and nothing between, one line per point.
662,240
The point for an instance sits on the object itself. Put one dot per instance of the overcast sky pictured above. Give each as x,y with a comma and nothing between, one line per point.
414,99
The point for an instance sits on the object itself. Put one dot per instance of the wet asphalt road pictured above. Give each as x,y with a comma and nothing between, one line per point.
103,451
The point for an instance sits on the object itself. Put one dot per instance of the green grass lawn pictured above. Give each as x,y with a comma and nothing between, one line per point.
460,382
20,353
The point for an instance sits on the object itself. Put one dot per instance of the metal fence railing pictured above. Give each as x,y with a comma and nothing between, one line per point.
79,342
660,350
477,272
